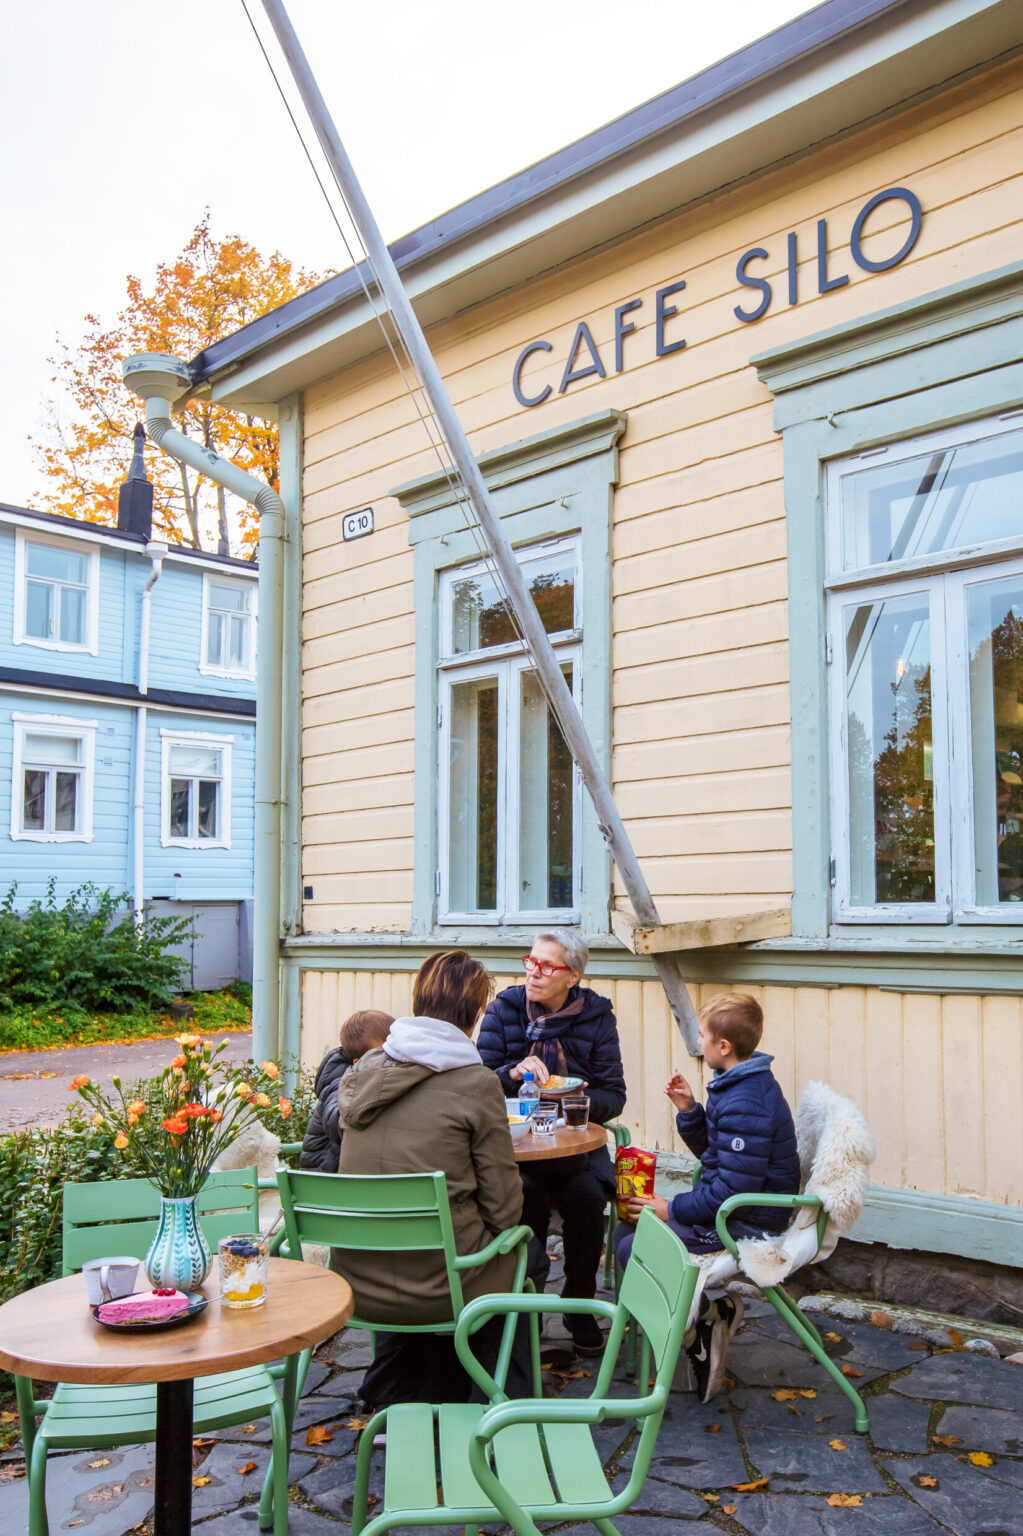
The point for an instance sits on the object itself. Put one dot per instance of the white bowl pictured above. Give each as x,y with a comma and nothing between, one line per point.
517,1124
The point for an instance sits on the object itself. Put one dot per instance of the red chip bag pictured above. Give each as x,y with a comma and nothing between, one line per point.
634,1175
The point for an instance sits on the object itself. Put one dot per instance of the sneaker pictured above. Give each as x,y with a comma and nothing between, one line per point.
707,1355
585,1332
731,1309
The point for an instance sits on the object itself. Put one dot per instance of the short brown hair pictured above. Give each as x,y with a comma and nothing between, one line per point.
737,1018
452,986
362,1031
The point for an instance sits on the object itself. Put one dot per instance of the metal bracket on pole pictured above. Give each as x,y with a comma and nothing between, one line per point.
548,670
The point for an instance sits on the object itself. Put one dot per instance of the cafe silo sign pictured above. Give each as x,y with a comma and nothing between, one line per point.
755,293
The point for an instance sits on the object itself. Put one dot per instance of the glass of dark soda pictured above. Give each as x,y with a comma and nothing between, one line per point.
577,1112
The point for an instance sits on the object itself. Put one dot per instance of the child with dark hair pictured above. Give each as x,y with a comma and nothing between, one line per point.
362,1032
746,1142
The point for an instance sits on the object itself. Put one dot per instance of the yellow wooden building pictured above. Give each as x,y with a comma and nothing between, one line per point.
743,370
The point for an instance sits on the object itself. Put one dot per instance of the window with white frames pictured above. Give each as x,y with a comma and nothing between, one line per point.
196,789
51,791
507,792
925,631
228,627
55,597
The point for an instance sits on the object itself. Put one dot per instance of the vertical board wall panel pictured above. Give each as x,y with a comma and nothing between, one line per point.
924,1071
884,1104
963,1101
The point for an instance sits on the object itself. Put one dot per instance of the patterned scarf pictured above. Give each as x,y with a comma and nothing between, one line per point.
543,1029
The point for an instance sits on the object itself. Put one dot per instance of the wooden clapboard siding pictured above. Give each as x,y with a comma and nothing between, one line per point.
699,619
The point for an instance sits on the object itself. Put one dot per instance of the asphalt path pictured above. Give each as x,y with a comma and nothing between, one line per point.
33,1084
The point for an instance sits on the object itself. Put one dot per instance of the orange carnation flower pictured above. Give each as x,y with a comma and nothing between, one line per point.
270,1068
215,1115
285,1108
175,1125
188,1040
192,1112
136,1107
81,1081
263,1100
120,1141
178,1063
97,1118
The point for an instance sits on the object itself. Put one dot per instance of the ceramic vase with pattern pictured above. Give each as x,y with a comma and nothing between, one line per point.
179,1254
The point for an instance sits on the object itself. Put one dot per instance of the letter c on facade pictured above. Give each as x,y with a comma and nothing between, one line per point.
534,346
916,214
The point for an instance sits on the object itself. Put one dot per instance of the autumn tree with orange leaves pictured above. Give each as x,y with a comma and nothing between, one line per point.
210,290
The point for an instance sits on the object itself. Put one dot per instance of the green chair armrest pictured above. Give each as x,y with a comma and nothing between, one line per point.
504,1242
736,1202
526,1410
619,1132
476,1313
290,1147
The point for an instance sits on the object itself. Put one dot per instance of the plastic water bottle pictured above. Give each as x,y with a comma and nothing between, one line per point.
529,1094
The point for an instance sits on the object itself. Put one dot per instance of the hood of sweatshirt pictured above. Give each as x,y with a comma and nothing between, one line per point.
759,1062
415,1049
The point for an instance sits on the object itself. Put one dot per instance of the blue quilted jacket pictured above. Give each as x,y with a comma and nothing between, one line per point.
590,1046
746,1142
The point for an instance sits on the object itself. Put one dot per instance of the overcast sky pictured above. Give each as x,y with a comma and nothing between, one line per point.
121,119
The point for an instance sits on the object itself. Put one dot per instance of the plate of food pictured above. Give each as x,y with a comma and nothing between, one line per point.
556,1085
146,1311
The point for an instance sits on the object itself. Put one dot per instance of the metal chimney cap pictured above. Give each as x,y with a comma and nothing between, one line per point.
150,374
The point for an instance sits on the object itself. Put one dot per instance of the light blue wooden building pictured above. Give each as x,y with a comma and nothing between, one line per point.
127,721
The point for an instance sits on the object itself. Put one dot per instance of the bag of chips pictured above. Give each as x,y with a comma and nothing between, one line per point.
634,1175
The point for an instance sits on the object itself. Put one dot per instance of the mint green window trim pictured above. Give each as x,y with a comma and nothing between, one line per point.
559,483
946,358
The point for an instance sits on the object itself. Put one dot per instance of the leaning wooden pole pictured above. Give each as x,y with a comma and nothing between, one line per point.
548,670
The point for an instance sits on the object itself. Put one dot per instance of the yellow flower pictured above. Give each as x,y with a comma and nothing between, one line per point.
136,1106
132,1120
270,1068
263,1100
120,1141
188,1040
97,1118
242,1091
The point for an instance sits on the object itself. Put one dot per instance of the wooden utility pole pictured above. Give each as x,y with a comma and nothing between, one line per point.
558,693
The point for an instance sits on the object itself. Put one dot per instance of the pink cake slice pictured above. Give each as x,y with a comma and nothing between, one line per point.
145,1307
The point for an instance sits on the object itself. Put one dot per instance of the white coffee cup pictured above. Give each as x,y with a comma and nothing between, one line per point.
107,1279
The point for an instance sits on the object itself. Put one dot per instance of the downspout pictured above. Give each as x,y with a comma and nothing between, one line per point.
156,553
161,380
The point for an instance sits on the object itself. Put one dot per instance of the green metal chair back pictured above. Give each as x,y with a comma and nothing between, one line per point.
375,1213
122,1214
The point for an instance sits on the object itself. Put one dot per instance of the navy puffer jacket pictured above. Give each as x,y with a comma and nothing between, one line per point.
589,1043
321,1145
746,1142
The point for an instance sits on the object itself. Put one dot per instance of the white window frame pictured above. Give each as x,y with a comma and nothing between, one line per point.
945,576
25,536
53,725
252,590
223,744
506,663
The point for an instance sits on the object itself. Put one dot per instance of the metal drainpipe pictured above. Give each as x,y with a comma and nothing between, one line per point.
156,553
161,380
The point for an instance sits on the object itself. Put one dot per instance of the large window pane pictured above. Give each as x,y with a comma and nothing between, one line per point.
545,802
72,615
208,793
179,800
994,611
233,599
195,759
52,749
239,643
33,815
890,762
56,564
473,817
39,610
480,618
66,802
937,501
215,640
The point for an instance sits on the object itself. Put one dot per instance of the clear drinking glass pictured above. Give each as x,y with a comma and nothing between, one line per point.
244,1261
544,1119
577,1111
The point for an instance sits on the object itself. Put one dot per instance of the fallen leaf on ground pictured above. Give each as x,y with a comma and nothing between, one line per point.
756,1487
711,1498
917,1344
783,1395
11,1471
712,1429
729,1509
947,1440
358,1424
834,1338
250,1466
844,1500
199,1444
200,1482
923,1481
104,1461
956,1337
847,1370
317,1434
881,1319
981,1459
807,1392
837,1445
822,1418
76,1522
248,1429
8,1418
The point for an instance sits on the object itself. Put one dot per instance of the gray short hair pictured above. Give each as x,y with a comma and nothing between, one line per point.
577,951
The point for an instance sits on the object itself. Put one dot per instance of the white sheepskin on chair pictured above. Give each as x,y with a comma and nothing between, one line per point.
835,1153
256,1145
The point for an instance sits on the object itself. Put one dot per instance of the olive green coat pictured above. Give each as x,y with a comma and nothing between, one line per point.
404,1117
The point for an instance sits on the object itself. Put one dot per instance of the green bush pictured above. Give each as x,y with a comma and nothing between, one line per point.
86,956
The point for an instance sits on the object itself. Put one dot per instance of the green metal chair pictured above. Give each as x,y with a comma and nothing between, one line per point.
534,1459
121,1215
391,1213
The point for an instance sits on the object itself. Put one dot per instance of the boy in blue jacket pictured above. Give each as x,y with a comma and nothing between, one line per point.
746,1143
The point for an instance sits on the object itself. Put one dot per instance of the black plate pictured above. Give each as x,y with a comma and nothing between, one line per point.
196,1303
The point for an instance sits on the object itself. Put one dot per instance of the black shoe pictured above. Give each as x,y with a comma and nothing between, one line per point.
731,1309
585,1332
707,1355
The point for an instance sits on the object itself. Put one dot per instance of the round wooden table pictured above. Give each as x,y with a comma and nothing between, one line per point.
50,1334
564,1143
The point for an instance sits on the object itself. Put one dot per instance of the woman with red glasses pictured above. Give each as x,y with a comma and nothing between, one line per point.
554,1025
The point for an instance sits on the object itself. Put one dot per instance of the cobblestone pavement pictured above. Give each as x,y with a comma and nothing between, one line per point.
944,1453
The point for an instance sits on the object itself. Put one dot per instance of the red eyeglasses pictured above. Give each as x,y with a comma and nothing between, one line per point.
531,964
